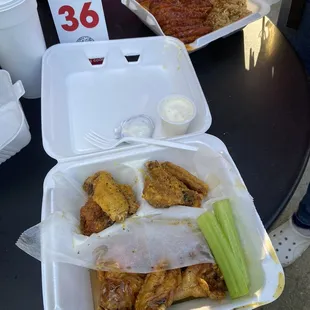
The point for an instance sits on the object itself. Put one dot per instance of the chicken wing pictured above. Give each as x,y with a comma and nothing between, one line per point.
203,280
185,20
145,3
88,185
187,178
108,195
93,219
131,198
162,190
117,200
158,290
118,291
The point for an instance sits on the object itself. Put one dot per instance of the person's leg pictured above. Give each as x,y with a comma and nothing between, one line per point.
302,39
292,238
302,217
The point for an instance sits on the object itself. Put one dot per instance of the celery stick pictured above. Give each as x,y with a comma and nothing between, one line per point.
233,276
224,215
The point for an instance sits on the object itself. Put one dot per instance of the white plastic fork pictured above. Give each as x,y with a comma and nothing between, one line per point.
106,144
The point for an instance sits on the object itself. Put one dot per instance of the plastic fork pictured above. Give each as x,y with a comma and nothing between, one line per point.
106,144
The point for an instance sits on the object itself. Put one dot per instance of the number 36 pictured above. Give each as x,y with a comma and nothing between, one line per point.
70,17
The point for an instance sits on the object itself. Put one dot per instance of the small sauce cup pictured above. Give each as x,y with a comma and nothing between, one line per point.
139,126
176,113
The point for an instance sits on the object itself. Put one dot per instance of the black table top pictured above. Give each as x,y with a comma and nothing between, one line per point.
258,97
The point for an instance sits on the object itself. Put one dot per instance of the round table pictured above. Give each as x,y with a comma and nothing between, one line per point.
258,96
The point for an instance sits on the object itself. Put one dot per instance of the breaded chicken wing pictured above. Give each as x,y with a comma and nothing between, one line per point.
187,178
93,219
158,290
117,200
162,190
88,185
108,195
203,280
131,198
118,291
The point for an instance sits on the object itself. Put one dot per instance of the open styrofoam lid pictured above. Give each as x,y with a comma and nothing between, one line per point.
97,85
11,116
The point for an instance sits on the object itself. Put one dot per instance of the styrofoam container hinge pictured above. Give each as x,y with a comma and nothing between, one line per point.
19,89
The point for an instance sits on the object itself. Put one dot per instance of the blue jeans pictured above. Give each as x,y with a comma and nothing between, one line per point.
302,217
302,40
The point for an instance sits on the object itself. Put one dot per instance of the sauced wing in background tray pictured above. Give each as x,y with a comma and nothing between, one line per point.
183,19
189,20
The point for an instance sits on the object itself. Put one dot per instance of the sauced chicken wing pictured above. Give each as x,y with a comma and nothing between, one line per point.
188,20
119,290
162,190
185,20
145,3
187,178
158,290
93,219
203,280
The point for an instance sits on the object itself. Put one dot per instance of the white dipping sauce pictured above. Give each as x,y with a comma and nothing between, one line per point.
176,114
177,110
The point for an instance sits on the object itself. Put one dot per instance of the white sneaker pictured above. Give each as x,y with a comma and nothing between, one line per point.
289,243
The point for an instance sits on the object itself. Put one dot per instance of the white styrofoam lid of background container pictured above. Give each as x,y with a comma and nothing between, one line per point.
132,76
11,116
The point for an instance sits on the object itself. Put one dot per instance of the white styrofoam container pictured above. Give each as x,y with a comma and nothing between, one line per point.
78,97
259,8
14,129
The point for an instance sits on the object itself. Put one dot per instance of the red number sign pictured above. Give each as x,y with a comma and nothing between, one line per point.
69,18
85,15
86,12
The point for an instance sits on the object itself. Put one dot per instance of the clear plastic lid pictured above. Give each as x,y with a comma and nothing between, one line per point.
140,126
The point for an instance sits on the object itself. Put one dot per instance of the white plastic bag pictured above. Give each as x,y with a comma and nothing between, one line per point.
140,244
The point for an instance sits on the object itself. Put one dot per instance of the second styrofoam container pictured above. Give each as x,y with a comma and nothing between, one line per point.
22,44
259,8
14,133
